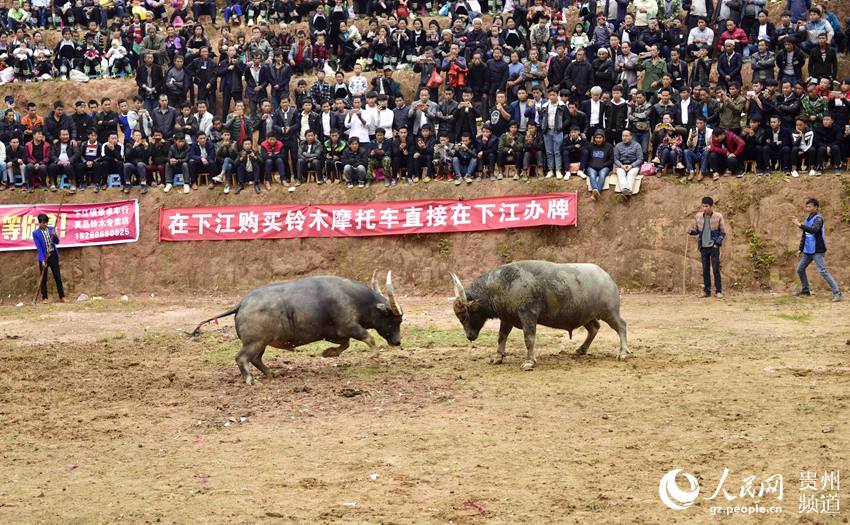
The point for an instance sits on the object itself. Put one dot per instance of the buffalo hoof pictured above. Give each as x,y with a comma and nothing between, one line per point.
581,351
249,380
496,360
270,374
333,351
622,356
528,365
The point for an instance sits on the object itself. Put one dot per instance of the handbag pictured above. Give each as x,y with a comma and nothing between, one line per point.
646,169
435,81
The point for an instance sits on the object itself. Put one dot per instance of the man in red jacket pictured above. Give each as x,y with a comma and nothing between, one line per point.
725,152
37,154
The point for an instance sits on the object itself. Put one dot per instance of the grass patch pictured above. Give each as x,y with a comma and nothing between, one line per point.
800,317
116,336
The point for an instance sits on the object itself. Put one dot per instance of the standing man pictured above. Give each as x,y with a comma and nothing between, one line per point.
46,242
813,248
710,229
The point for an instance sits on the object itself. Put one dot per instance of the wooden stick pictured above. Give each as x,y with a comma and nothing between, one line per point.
685,263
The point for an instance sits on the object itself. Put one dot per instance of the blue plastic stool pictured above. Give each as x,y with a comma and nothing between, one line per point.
64,183
177,181
18,180
115,181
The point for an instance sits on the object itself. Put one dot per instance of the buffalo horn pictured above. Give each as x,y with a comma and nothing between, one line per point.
375,287
460,293
391,295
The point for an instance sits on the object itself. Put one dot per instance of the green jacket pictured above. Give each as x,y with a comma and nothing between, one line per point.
817,107
730,113
505,143
652,72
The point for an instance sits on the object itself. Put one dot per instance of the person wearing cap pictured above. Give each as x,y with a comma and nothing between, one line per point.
710,231
729,64
813,248
46,244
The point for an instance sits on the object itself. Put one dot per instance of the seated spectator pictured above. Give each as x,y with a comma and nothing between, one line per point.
668,150
628,157
443,154
510,150
533,150
802,139
827,144
724,153
755,136
309,157
380,157
202,159
777,147
696,150
137,157
63,155
37,160
333,149
464,161
178,163
354,161
574,151
112,162
272,154
487,151
599,164
227,155
248,167
423,155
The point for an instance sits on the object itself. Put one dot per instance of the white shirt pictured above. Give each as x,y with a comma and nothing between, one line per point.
326,123
305,125
385,121
357,128
63,155
595,112
370,113
696,35
763,33
698,8
683,109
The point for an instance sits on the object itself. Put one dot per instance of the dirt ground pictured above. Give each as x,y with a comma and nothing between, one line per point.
111,414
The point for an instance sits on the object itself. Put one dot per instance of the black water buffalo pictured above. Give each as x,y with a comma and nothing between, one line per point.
524,294
287,315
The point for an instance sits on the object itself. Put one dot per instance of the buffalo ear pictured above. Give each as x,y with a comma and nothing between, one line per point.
473,304
384,308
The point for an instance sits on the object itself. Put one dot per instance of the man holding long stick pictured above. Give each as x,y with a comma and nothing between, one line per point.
46,243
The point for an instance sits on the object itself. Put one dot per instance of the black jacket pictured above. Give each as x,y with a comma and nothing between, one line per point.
579,75
52,127
156,76
819,65
497,76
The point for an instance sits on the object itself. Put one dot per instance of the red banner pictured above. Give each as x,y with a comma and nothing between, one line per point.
76,224
366,218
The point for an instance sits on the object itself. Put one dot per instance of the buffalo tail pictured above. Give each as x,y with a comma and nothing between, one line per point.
197,331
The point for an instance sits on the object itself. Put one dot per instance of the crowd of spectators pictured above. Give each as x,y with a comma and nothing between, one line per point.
542,89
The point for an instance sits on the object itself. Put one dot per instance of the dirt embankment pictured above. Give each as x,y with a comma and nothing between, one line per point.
642,243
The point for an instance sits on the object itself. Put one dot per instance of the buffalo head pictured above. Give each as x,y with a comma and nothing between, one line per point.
467,310
388,319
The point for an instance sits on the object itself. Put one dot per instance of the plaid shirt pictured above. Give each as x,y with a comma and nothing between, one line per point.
320,92
320,52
